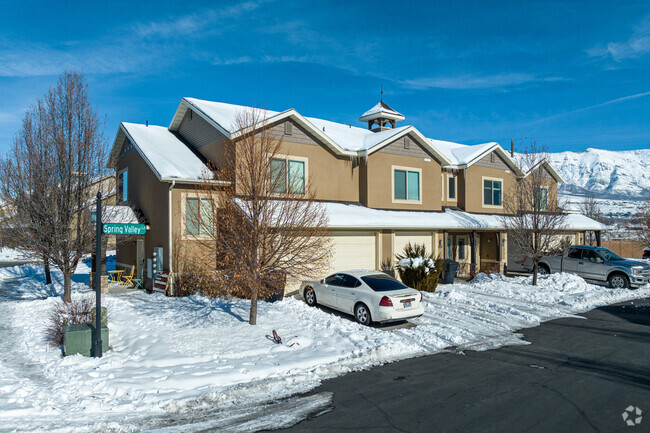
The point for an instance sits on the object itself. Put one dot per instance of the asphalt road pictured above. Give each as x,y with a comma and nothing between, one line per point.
577,376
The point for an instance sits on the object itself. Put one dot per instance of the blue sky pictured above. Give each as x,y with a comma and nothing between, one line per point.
570,75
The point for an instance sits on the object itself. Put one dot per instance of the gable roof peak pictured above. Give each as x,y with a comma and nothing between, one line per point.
381,110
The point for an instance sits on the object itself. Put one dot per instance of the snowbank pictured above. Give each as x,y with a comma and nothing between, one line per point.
196,360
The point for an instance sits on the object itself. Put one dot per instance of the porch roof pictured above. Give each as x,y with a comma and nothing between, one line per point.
351,216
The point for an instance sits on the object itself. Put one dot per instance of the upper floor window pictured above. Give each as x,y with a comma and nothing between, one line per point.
406,184
541,200
198,221
288,176
451,187
123,185
492,192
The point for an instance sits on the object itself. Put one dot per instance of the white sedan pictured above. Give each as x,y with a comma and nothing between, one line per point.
370,296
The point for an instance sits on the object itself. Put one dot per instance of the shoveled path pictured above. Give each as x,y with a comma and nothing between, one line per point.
577,376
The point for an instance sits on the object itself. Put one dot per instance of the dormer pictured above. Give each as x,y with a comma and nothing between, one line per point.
380,117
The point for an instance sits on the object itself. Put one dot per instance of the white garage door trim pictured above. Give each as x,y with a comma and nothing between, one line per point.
353,250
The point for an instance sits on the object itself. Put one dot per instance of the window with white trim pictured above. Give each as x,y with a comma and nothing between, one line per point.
492,192
406,184
451,187
288,176
123,185
541,200
198,216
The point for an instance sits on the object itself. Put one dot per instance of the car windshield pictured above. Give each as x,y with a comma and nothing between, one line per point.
382,283
608,254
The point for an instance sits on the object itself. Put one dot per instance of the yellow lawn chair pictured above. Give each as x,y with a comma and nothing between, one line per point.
128,278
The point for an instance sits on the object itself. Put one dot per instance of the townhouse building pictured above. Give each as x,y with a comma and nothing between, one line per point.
383,184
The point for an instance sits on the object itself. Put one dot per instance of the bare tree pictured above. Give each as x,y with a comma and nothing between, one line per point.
265,227
534,220
590,207
641,222
48,173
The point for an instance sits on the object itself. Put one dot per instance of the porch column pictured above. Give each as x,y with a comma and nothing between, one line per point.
445,236
597,233
498,239
472,243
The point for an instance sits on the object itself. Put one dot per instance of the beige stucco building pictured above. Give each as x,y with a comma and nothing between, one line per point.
383,186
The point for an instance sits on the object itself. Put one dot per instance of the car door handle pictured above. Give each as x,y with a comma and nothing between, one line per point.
352,293
581,263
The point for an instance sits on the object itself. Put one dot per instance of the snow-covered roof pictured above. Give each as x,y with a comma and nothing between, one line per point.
226,114
350,216
381,109
462,154
165,153
351,137
344,138
118,215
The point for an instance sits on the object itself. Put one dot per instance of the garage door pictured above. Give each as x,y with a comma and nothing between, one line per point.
419,238
353,250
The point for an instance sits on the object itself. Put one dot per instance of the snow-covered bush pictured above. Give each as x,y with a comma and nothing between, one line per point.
75,312
418,269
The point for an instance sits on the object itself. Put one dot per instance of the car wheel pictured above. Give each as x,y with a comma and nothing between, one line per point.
362,314
543,270
618,281
310,297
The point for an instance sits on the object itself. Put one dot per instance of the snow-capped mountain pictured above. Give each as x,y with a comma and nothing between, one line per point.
620,180
605,173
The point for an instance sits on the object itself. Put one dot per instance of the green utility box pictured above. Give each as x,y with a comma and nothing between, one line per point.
76,339
79,338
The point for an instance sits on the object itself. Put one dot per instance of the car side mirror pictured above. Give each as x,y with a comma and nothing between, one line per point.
322,281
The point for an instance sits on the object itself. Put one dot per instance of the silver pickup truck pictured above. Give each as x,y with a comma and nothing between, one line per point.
598,264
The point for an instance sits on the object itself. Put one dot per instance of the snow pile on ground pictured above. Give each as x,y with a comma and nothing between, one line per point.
11,255
195,362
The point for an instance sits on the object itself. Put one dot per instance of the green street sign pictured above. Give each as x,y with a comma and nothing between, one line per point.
124,229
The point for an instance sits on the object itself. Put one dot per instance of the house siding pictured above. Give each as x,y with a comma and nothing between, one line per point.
498,163
150,196
380,178
197,131
298,133
203,137
414,149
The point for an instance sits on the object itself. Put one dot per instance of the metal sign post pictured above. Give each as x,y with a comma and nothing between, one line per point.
97,341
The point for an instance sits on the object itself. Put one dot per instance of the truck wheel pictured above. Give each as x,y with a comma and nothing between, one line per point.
543,270
618,281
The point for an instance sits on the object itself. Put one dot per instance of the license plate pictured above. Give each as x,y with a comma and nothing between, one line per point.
407,305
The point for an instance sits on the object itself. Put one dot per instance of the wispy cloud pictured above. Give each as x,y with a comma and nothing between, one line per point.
636,46
591,107
475,81
38,60
195,23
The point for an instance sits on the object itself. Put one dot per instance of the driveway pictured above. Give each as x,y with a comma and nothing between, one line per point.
577,376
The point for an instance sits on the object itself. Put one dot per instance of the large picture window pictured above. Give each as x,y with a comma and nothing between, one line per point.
492,192
287,176
198,216
406,184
